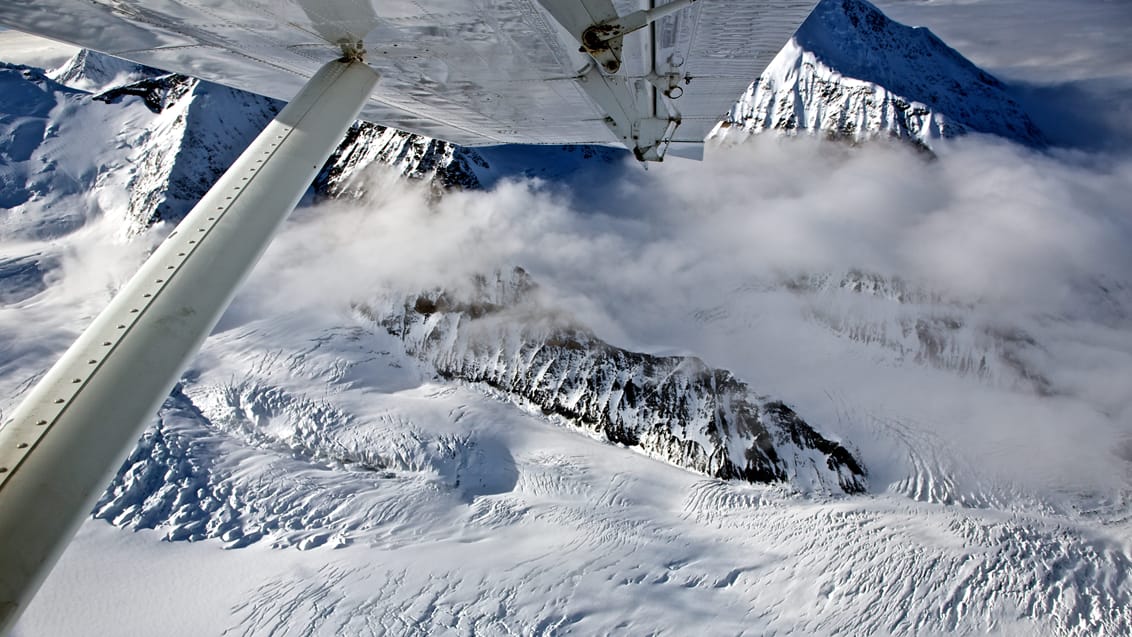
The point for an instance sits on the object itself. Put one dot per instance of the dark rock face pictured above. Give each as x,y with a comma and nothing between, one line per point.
673,408
158,92
445,165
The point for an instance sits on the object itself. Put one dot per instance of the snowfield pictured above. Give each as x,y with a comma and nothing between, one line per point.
960,322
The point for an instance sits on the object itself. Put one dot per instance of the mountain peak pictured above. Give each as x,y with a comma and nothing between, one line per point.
852,72
94,72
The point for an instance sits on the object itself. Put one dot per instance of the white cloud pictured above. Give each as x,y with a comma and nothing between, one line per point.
1018,242
679,259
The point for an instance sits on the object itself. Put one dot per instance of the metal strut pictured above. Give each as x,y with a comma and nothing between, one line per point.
603,40
63,444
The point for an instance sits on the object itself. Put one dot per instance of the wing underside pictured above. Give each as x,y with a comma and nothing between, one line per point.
473,72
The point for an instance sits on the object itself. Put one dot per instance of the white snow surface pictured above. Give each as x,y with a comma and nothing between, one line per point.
964,324
850,72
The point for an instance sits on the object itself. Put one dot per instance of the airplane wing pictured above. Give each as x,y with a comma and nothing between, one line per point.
472,72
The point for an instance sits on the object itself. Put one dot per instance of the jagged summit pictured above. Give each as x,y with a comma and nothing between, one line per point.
675,408
93,72
851,72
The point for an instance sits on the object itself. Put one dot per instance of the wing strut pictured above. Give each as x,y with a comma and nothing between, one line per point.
62,445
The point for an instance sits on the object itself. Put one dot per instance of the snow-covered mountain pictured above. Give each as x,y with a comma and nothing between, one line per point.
487,463
850,72
674,408
913,324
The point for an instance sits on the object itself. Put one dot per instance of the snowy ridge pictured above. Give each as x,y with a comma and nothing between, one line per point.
94,72
160,141
200,130
674,408
850,72
42,122
916,325
444,165
456,512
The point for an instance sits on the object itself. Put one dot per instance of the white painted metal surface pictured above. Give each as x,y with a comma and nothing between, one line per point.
474,72
64,442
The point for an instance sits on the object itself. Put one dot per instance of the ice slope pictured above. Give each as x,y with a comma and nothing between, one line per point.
43,122
851,72
455,512
161,151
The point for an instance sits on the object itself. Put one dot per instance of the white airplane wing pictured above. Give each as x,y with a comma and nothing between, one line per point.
473,72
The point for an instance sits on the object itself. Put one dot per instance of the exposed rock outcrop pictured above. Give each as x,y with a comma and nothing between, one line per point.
674,408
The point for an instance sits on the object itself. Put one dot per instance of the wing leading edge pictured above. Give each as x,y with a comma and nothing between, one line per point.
473,72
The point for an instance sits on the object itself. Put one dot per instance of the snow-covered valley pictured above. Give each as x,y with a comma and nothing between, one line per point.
383,436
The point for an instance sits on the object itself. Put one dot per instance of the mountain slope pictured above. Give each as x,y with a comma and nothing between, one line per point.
674,408
851,72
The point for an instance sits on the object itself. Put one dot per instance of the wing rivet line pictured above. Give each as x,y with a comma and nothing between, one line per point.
71,405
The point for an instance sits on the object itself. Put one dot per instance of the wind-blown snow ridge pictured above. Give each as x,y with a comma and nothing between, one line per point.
448,529
94,72
917,325
674,408
851,72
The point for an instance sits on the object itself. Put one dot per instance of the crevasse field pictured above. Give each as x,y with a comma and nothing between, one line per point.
311,476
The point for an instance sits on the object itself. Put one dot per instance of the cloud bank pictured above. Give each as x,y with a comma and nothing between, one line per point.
1022,258
1032,249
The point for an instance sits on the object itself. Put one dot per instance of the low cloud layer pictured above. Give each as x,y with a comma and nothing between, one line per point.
984,221
1034,246
687,257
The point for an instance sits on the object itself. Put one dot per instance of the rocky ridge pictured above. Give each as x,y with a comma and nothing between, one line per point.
674,408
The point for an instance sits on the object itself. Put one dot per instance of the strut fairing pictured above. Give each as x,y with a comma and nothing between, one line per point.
473,72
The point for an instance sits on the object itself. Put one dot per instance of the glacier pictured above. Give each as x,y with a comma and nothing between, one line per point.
348,456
